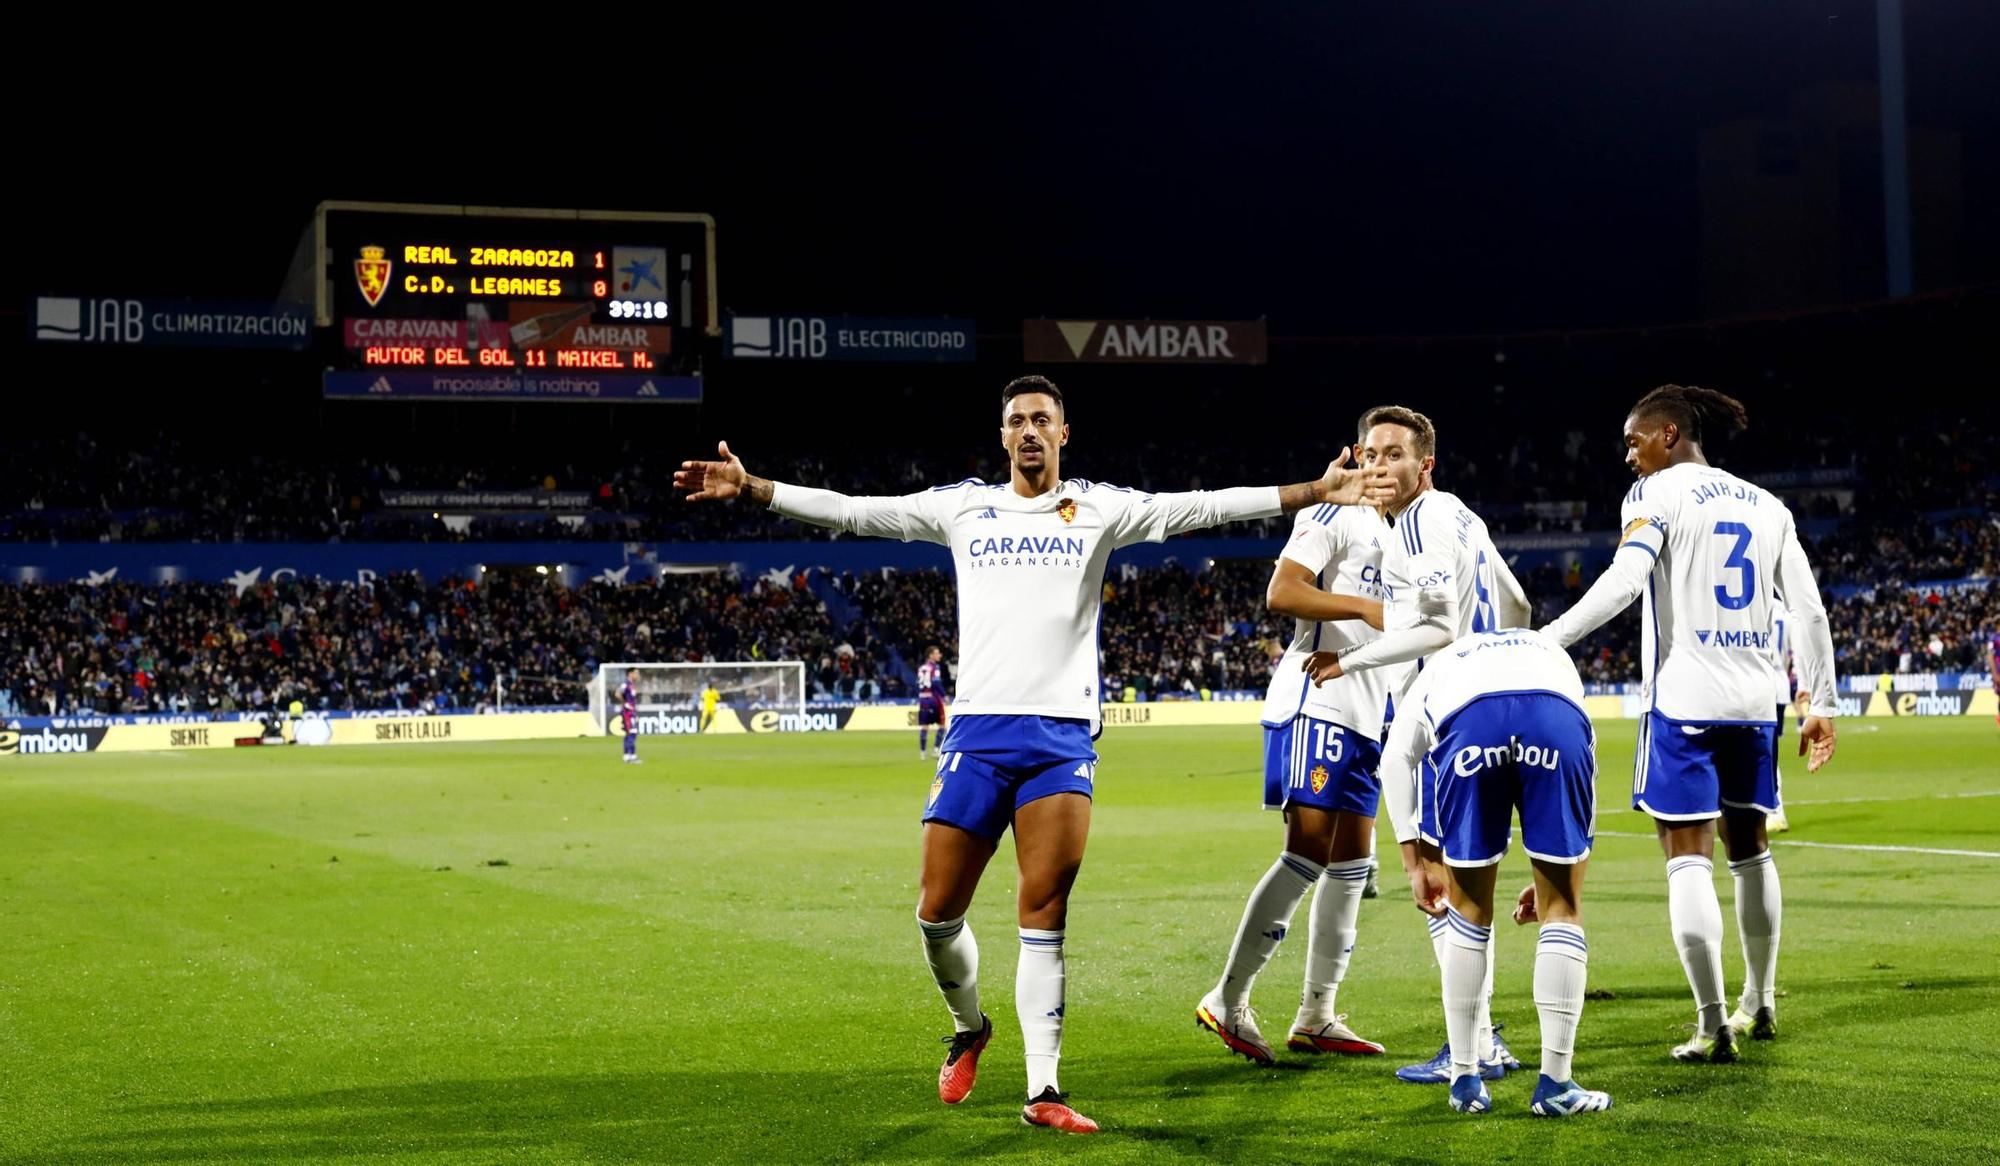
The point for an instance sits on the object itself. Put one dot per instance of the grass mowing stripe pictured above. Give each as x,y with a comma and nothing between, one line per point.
713,958
1836,846
1978,793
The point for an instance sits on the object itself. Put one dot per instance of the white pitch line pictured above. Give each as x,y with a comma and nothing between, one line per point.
1984,793
1840,846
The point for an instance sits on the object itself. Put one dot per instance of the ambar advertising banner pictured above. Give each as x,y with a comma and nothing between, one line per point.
1144,341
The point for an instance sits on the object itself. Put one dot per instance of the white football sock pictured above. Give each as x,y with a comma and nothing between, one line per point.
1465,948
1758,910
1561,961
1696,916
954,960
1038,1001
1330,939
1265,919
1482,1019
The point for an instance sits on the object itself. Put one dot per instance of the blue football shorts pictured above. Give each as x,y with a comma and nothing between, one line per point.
1534,752
989,766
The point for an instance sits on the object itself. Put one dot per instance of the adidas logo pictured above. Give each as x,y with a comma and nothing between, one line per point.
381,385
989,512
1275,935
647,390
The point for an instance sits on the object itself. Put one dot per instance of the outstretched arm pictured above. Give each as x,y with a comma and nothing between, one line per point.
905,517
1341,485
1161,516
723,480
1638,549
1612,593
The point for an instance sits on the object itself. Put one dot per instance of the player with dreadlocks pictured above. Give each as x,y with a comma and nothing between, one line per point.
1714,556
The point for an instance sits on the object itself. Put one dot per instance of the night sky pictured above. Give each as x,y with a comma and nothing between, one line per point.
1445,167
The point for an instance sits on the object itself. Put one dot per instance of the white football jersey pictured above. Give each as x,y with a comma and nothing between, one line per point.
1437,546
1481,664
1342,546
1030,572
1720,546
1781,655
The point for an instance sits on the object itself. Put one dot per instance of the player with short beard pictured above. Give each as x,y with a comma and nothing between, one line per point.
1030,555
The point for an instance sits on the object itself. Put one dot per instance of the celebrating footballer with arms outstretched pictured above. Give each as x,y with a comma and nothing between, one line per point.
1029,555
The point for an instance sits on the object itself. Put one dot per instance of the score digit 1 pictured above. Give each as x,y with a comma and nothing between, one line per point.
600,262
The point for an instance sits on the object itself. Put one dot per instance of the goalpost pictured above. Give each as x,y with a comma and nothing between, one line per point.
670,694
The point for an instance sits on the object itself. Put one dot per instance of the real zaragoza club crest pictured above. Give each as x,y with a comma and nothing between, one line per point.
1066,509
371,272
1319,776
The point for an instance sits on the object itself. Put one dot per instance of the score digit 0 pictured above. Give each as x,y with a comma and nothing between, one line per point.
599,289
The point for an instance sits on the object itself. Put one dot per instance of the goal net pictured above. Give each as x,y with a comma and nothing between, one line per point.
670,694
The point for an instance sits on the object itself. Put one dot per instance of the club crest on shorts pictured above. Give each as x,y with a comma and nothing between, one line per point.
1319,776
371,274
1066,509
937,787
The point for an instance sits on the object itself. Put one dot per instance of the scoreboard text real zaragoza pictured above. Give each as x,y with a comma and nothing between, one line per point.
497,289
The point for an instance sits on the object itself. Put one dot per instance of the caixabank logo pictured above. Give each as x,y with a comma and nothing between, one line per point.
78,740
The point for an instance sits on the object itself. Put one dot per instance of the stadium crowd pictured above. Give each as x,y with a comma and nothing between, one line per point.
1884,542
157,489
398,643
1176,630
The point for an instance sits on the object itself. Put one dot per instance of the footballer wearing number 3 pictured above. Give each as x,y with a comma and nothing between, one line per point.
1709,550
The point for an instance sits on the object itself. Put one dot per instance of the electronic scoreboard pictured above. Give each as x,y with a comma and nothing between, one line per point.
507,303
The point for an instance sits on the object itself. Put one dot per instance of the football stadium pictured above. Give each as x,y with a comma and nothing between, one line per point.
531,638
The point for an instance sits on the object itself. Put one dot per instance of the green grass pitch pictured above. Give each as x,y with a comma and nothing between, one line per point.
530,953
